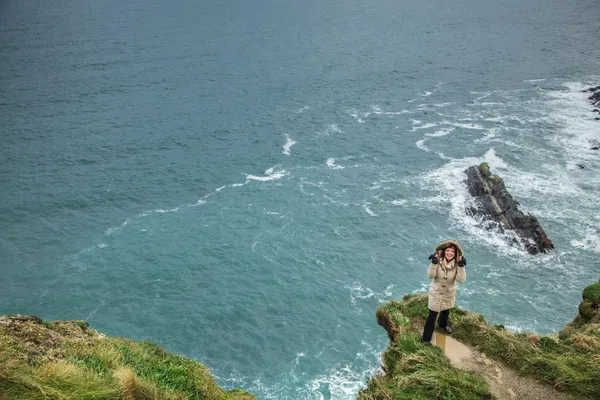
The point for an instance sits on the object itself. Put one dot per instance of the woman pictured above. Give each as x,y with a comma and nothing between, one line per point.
447,266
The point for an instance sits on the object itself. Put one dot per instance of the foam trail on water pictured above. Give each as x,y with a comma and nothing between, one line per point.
270,175
421,145
359,117
426,126
331,164
288,144
441,132
378,111
368,210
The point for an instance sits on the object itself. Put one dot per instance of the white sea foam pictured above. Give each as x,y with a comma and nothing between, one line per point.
359,117
416,121
589,242
330,129
368,210
288,144
425,126
270,175
331,164
339,382
572,113
493,160
359,292
378,111
115,229
467,126
421,145
334,128
441,132
483,95
425,106
399,202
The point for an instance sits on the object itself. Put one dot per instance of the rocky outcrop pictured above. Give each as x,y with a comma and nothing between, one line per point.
595,100
595,96
495,204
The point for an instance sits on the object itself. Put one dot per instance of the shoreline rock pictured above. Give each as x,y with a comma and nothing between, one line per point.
594,100
495,204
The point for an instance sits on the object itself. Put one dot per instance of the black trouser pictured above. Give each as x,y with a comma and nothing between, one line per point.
430,324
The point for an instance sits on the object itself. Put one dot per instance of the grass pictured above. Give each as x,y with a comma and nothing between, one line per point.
413,371
67,360
569,362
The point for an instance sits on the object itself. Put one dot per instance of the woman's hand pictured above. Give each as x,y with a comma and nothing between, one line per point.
461,261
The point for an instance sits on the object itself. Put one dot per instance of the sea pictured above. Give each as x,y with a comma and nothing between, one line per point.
245,182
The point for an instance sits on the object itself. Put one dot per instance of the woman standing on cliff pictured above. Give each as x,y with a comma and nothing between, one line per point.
447,266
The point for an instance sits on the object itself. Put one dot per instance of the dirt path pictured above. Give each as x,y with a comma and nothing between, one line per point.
504,383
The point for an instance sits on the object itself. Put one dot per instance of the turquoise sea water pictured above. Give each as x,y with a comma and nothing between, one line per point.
245,182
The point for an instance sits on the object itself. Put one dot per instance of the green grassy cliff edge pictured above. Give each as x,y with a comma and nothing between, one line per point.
569,361
68,360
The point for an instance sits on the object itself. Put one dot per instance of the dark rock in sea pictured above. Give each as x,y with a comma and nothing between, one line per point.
498,208
581,166
595,96
592,89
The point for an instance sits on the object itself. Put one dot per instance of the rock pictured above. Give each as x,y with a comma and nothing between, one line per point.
496,205
581,166
592,89
594,98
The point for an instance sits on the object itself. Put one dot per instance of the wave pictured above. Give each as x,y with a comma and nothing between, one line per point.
270,175
331,164
288,145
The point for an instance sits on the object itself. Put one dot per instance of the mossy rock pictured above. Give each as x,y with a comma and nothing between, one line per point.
592,293
587,310
485,168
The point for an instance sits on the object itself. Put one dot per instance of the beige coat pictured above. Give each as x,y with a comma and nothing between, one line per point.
442,292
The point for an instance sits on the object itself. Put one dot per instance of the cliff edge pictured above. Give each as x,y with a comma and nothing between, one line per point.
567,364
68,360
